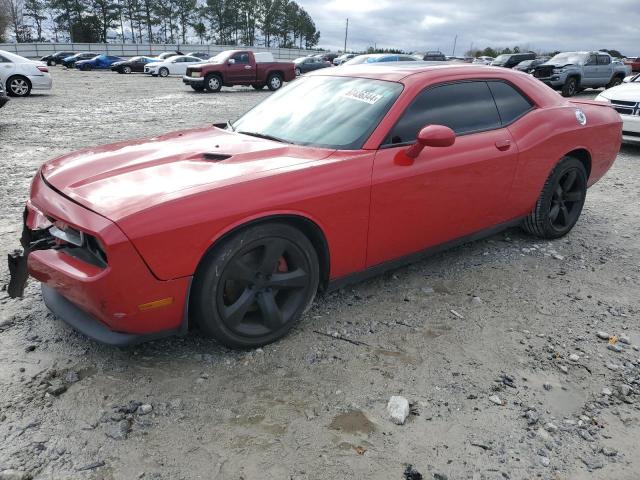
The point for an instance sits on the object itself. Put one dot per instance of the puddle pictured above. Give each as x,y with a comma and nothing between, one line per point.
353,421
403,357
558,401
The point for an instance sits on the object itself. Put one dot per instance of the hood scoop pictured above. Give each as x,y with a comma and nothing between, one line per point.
215,157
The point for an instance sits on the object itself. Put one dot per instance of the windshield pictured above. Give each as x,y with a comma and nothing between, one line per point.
567,58
502,58
358,60
330,112
219,58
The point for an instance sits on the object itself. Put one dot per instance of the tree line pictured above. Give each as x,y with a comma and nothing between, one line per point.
269,23
494,52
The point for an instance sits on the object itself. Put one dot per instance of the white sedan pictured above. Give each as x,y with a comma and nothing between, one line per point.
20,75
176,65
625,99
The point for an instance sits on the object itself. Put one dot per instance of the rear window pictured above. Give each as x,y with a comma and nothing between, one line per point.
510,102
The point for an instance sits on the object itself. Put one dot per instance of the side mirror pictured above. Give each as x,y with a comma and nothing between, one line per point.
431,136
231,61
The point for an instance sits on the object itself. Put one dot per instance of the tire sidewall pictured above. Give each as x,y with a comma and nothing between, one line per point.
270,82
567,91
11,93
565,165
207,81
208,276
163,72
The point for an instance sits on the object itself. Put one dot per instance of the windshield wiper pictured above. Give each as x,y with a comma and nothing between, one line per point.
265,136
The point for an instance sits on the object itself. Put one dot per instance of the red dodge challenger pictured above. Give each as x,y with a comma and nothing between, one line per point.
340,175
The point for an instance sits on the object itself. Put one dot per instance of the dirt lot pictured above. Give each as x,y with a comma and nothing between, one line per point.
478,339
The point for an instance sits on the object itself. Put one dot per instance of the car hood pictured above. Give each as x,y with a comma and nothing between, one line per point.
627,92
556,65
124,178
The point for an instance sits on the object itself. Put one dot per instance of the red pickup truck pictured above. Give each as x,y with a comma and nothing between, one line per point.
634,63
239,67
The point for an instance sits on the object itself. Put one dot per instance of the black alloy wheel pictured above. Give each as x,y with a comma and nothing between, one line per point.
252,289
567,200
560,203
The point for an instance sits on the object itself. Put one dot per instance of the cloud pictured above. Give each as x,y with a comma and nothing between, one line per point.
433,24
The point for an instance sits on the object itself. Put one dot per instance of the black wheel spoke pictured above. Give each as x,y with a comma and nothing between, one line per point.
271,313
553,213
295,279
572,197
558,192
564,213
271,257
569,180
241,272
235,313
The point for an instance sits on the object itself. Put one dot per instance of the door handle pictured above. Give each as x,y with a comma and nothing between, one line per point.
503,145
247,67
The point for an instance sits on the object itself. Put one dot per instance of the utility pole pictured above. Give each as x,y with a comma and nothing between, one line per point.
346,32
455,40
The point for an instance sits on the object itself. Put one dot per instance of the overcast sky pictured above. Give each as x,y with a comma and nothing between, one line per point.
432,24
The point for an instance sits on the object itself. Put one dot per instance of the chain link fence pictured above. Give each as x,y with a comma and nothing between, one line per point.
37,50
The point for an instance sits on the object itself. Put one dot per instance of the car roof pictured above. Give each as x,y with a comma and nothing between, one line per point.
397,71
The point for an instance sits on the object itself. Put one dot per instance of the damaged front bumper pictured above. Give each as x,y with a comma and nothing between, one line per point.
93,278
35,237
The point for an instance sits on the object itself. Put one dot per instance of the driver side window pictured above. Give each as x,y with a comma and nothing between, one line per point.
465,107
241,57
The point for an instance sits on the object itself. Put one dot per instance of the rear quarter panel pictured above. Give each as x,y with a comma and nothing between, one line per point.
544,136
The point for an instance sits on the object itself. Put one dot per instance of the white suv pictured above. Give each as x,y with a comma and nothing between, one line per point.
20,75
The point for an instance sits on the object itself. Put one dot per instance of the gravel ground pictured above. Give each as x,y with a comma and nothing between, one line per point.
494,344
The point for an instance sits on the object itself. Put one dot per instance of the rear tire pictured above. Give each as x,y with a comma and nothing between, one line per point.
274,82
18,86
253,287
212,83
570,87
560,203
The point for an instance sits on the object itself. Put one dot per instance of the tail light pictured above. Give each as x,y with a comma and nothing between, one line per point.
42,68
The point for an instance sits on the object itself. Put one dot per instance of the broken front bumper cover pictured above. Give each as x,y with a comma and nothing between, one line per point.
84,323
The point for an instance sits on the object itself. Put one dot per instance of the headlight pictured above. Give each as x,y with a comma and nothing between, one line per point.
559,70
196,74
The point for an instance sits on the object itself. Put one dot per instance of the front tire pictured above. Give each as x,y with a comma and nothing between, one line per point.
257,87
18,86
560,203
212,83
126,69
274,82
198,88
253,288
570,87
298,72
163,72
615,81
